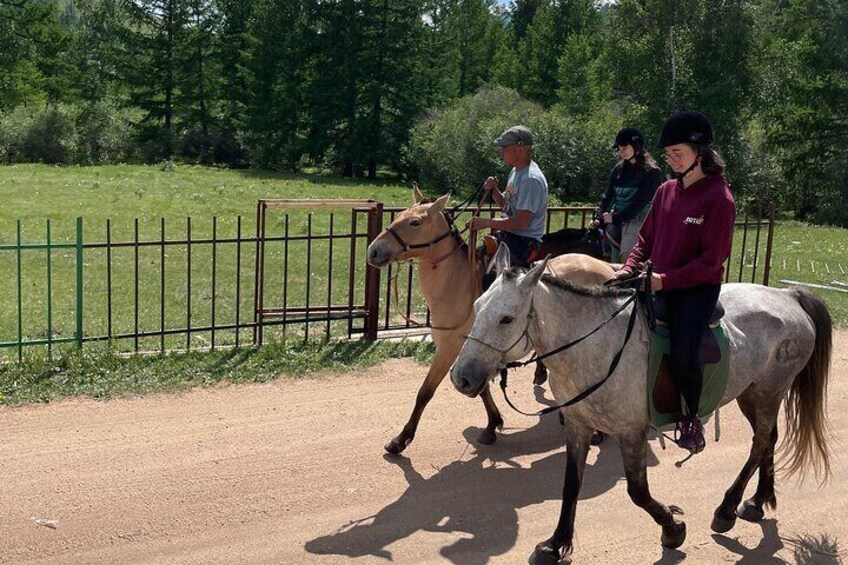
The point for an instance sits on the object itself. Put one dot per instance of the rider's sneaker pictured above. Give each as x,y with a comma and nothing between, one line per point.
691,434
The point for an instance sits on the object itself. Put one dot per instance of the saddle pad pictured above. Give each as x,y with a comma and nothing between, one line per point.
664,400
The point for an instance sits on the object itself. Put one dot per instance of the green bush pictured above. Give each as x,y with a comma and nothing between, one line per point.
452,149
50,137
61,135
45,135
102,134
13,127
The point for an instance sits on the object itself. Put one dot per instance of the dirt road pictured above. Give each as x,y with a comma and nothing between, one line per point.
294,472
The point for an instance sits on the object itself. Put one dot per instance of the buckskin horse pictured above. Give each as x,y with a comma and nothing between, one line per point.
425,233
780,344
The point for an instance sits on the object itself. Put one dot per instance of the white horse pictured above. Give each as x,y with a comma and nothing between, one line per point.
780,344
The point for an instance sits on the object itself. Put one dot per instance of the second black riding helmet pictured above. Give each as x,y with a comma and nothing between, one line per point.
629,136
687,126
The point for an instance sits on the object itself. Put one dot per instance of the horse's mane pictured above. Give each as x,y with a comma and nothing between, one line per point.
597,291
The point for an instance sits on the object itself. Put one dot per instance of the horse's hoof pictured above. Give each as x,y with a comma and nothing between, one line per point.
749,511
597,438
673,536
544,554
397,445
487,437
722,525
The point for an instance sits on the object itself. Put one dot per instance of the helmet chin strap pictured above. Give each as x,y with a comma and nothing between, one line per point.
695,163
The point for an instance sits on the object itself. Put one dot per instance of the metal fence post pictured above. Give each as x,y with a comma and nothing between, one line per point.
769,242
372,275
79,281
18,250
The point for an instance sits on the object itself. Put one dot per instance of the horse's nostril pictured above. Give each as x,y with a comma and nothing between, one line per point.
465,384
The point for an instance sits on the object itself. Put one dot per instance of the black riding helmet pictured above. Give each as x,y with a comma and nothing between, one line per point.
687,126
629,136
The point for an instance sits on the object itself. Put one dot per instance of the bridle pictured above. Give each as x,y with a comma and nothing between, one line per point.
457,234
408,246
525,335
505,366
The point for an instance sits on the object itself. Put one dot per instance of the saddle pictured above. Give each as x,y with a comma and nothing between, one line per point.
664,399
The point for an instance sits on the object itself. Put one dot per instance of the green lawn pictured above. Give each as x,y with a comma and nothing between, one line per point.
817,255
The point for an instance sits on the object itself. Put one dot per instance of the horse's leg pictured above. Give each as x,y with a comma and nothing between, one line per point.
762,451
752,509
634,454
488,436
442,361
576,449
438,369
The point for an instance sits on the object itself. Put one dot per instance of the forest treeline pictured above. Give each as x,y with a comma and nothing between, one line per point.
420,87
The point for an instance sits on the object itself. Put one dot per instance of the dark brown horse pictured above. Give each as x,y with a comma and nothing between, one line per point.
572,240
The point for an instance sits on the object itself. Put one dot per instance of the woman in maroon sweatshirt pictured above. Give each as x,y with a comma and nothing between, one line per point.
687,236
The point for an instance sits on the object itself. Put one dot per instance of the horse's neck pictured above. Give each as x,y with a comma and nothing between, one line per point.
448,288
561,316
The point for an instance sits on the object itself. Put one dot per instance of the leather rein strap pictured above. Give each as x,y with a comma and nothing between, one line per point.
613,364
472,256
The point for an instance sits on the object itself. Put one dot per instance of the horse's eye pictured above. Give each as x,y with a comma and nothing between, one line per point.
415,222
507,320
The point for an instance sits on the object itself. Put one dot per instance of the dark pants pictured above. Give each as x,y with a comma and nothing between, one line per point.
521,252
689,311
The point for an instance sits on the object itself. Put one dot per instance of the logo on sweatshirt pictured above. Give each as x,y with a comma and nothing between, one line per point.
697,221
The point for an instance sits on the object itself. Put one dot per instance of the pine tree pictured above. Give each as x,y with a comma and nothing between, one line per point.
148,62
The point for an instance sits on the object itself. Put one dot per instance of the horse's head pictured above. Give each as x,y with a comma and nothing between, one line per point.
499,334
412,232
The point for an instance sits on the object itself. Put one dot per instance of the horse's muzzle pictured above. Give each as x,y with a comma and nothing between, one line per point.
378,254
467,380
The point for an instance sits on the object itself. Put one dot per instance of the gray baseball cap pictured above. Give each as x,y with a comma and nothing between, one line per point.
516,135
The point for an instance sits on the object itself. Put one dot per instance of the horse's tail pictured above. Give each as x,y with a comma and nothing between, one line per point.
807,429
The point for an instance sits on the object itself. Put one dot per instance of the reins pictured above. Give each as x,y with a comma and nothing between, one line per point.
452,230
582,395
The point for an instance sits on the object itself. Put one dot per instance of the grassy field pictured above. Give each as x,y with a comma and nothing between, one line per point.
178,196
122,195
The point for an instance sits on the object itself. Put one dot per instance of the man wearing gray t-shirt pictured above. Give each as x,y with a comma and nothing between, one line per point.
524,201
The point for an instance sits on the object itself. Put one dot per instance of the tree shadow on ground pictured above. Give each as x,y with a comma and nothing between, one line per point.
821,549
818,549
477,499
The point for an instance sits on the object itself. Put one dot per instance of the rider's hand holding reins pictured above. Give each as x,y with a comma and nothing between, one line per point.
656,282
490,184
621,274
477,223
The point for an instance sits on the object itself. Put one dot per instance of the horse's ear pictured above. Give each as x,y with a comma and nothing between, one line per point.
439,204
501,258
416,194
533,275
